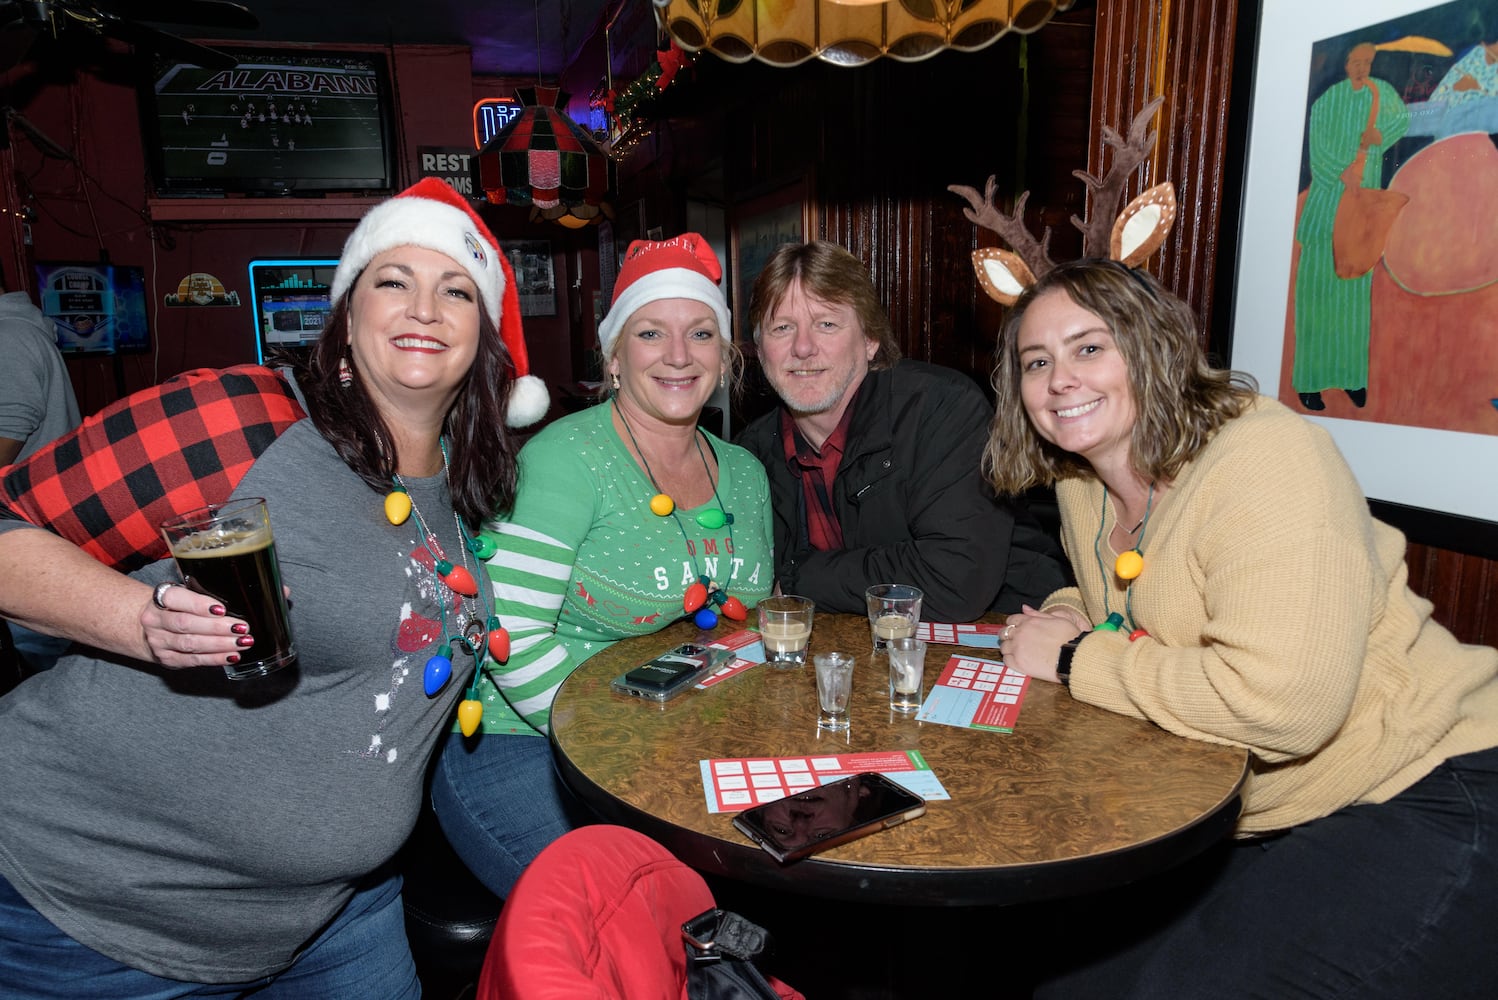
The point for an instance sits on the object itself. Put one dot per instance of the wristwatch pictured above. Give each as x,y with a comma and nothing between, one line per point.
1063,659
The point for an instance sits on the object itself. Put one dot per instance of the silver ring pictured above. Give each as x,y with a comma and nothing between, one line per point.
158,596
1008,630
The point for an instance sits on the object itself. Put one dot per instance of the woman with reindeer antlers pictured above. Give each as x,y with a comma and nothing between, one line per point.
1233,588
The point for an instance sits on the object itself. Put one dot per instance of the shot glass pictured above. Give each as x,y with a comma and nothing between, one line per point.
227,551
907,674
834,688
894,612
785,629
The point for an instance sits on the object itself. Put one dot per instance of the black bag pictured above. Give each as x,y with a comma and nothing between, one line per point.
721,949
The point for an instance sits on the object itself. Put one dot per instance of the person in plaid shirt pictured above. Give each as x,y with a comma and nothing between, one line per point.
168,832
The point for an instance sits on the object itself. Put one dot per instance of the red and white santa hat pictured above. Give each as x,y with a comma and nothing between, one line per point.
431,215
683,267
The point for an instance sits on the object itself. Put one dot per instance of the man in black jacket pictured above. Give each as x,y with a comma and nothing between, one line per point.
874,461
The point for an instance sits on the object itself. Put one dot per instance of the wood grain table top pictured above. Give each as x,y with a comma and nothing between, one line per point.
1076,799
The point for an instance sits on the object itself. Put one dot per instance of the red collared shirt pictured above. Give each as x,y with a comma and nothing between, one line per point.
817,470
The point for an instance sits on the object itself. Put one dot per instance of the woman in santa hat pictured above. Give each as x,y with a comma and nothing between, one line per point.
169,831
628,517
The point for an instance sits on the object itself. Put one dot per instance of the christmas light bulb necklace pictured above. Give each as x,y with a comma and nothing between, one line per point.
1129,565
480,634
705,590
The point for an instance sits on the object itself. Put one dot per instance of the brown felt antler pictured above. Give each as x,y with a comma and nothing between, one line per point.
1010,228
1106,193
1129,236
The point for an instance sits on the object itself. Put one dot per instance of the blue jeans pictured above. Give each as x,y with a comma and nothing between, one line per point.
1394,900
361,954
500,801
40,651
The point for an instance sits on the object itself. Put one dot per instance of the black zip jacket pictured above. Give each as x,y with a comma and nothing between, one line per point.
913,505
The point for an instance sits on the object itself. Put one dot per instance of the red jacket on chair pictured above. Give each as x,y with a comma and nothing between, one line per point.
598,914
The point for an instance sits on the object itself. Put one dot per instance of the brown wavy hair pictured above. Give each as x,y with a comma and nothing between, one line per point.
832,274
1179,398
481,450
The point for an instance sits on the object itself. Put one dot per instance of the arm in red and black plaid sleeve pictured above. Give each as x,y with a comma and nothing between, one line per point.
108,485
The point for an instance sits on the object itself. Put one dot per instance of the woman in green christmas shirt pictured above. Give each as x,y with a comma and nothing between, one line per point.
627,517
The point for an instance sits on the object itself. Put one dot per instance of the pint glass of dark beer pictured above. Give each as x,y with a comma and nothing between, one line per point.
227,551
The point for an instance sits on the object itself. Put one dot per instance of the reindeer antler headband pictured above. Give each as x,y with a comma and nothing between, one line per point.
1128,237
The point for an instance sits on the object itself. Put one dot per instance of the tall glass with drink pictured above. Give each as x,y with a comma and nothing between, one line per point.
785,630
228,551
894,612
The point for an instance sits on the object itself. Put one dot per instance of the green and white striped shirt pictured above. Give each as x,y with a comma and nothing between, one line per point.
583,563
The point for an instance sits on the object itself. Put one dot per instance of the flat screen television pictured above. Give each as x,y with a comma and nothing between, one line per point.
281,122
290,302
95,308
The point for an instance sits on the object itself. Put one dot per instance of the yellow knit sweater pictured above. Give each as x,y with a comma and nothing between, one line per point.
1279,620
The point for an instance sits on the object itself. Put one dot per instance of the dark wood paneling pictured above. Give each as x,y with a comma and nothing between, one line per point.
1185,51
884,141
1463,588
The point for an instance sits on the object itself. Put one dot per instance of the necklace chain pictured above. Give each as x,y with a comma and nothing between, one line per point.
1138,547
697,440
479,630
464,613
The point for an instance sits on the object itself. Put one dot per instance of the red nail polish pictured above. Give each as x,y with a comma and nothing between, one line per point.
232,658
219,610
240,629
245,640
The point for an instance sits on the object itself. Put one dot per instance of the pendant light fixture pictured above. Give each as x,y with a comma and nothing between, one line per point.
846,32
544,159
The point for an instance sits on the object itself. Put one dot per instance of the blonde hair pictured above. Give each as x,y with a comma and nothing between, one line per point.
731,353
1179,399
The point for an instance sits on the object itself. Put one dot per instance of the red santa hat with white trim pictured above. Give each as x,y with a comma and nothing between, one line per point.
431,215
683,267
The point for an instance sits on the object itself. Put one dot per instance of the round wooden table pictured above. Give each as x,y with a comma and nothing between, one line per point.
1075,800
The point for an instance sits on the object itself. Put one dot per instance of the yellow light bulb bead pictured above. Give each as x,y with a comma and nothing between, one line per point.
397,506
662,505
1129,565
469,715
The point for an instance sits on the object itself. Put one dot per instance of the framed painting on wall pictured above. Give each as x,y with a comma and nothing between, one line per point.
1386,335
756,227
535,280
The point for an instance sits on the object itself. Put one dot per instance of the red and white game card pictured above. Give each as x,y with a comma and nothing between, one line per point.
748,651
736,783
976,694
984,635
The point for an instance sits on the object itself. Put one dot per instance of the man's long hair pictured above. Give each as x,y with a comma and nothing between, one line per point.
831,274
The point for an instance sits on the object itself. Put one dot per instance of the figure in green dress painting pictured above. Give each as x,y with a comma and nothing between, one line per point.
1351,126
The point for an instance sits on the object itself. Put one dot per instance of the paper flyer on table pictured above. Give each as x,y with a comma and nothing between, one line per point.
748,651
733,784
981,635
976,694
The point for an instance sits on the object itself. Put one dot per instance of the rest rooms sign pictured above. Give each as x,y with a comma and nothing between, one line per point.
452,165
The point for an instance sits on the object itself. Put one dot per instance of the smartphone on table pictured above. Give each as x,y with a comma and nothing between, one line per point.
835,813
672,672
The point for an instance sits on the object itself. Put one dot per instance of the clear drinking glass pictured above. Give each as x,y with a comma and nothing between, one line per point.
907,673
834,688
785,630
894,612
